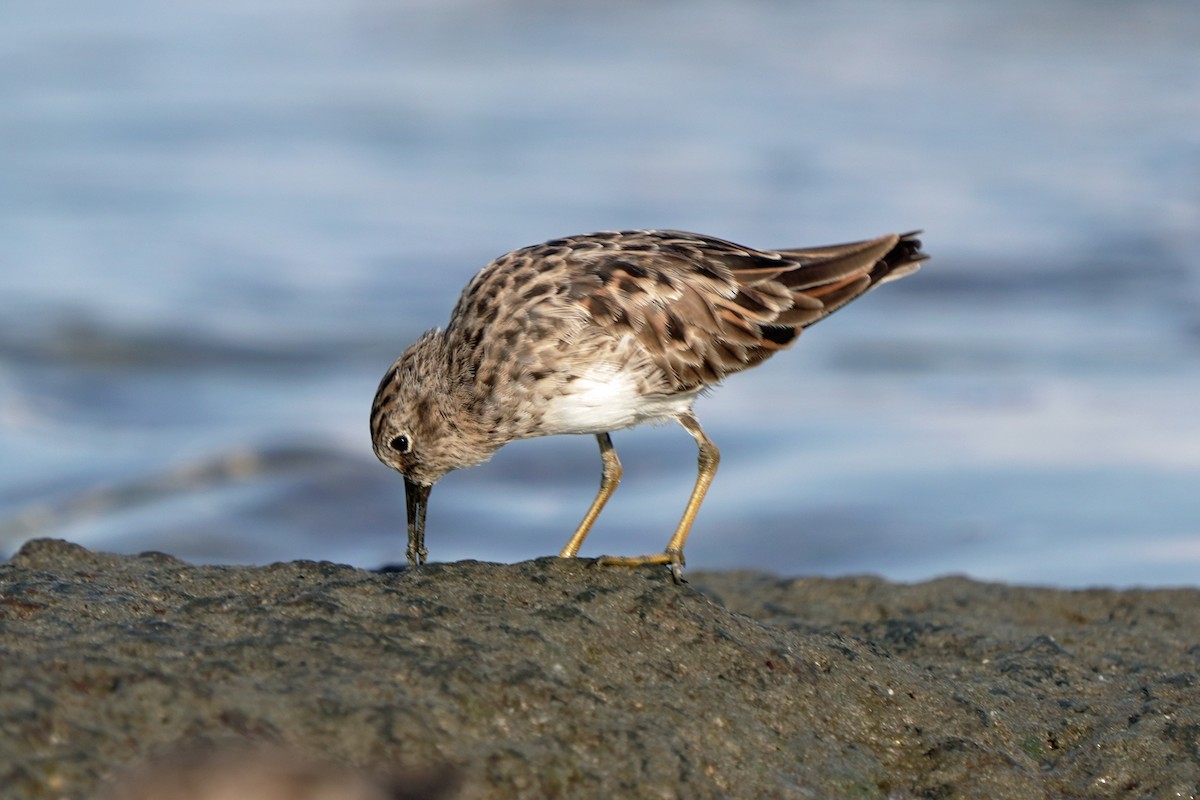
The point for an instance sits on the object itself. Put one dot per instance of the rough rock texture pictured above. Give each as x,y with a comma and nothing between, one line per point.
555,678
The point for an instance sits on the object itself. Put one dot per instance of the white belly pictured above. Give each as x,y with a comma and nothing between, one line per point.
608,400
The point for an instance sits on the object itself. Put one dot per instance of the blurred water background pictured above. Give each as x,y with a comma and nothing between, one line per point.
220,221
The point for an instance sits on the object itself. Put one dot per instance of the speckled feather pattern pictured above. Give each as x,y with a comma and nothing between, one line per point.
677,312
605,331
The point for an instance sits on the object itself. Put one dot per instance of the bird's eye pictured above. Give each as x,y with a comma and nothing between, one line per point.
401,443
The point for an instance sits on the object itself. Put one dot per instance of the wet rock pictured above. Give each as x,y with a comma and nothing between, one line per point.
556,678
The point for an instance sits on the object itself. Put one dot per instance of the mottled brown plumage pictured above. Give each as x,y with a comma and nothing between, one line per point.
595,333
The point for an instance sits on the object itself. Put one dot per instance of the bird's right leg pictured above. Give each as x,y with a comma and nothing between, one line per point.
609,479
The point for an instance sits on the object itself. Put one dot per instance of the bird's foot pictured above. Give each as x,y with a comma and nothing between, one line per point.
672,559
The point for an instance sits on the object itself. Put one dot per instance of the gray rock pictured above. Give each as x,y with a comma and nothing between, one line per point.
553,678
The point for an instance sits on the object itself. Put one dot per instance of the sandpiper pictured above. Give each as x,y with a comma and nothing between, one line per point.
600,332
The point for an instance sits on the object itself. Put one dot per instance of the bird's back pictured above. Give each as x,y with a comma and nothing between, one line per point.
699,307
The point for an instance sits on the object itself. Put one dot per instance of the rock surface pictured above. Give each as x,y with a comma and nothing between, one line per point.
553,678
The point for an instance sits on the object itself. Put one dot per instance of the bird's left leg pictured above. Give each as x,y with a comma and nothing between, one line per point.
609,478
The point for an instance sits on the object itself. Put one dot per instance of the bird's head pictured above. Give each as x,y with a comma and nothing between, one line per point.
422,427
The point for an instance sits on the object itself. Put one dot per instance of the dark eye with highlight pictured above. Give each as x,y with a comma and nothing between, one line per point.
401,444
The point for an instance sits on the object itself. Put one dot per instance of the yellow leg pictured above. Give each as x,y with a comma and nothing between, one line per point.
609,479
706,469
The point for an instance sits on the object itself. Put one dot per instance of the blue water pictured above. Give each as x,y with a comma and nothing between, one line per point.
220,222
